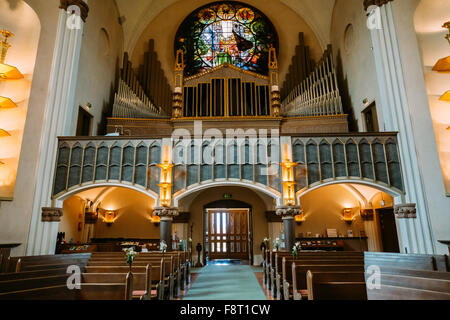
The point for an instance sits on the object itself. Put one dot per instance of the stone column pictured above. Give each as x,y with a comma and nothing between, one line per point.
288,213
414,234
59,110
166,214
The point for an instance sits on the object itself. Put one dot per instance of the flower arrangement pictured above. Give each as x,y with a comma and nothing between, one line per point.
296,249
190,240
277,244
163,246
266,242
130,254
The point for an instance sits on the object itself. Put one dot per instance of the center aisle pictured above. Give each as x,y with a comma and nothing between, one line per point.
226,282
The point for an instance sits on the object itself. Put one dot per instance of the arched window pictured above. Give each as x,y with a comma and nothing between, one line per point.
228,32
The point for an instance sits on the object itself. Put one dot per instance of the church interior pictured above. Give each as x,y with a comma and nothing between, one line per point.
278,149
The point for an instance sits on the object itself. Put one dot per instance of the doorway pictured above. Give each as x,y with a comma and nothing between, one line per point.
388,230
231,236
228,234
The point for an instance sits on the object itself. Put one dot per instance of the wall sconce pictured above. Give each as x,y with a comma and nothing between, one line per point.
166,180
1,163
288,178
443,65
109,218
156,220
300,218
7,71
7,103
367,214
4,133
445,96
348,215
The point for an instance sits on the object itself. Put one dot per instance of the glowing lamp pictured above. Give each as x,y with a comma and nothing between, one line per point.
445,96
348,215
7,103
156,220
300,218
1,163
443,65
109,217
7,71
4,133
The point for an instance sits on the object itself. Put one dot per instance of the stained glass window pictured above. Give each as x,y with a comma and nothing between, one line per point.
226,32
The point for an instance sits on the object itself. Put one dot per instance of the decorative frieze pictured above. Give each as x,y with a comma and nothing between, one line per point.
166,213
84,8
405,211
52,214
288,212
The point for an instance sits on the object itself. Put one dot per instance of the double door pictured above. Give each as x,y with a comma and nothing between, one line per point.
228,234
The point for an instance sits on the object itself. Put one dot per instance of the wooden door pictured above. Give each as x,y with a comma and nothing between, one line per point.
228,234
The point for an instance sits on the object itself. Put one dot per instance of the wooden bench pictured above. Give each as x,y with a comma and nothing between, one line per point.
299,273
277,284
142,282
408,261
18,264
404,284
287,265
336,286
164,283
87,291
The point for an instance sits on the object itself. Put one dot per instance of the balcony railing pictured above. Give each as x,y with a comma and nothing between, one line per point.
357,157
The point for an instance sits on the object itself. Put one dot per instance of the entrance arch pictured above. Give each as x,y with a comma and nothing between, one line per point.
255,187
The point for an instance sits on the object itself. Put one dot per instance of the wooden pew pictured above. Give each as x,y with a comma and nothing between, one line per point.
403,284
287,265
164,284
277,287
299,273
18,264
336,286
88,291
32,274
142,282
407,261
33,283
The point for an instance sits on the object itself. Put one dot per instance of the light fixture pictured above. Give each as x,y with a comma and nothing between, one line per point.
109,218
300,218
445,96
348,215
1,163
4,133
443,65
7,71
156,220
7,103
382,202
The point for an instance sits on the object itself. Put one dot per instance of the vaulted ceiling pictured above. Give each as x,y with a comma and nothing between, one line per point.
138,14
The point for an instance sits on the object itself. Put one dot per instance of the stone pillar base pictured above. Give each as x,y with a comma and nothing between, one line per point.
288,213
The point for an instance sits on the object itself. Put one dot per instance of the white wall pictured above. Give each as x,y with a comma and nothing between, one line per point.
355,61
100,62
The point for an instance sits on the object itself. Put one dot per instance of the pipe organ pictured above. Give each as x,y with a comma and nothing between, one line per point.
318,94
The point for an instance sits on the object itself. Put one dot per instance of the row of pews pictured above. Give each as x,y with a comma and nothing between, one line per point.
96,276
356,276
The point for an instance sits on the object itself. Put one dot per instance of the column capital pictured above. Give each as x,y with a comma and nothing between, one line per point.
52,214
379,3
166,213
84,8
407,211
288,212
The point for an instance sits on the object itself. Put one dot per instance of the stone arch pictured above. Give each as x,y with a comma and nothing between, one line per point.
72,192
199,187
